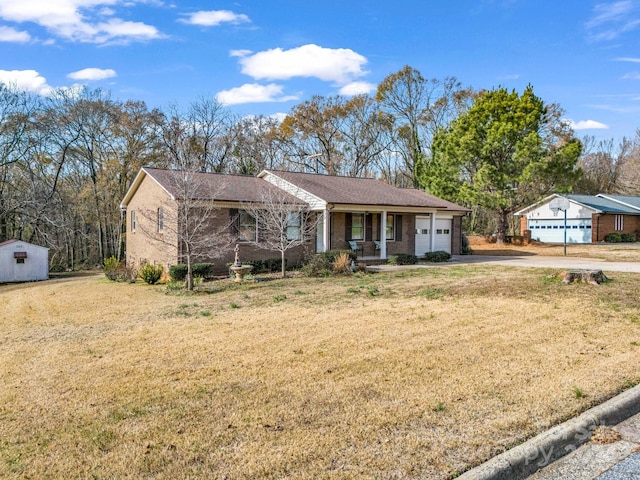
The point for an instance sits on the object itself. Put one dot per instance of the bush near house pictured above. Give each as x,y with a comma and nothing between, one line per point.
620,237
151,274
116,271
269,265
203,270
437,256
402,259
321,264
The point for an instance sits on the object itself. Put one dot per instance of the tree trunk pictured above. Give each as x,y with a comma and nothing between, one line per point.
189,279
283,264
501,228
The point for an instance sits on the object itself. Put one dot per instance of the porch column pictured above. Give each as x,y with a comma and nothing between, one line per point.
383,235
432,232
326,230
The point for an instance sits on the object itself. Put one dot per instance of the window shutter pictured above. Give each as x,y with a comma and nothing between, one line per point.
379,226
347,226
398,219
368,227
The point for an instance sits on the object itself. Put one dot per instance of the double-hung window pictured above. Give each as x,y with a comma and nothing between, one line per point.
133,220
391,227
247,230
357,226
293,226
619,220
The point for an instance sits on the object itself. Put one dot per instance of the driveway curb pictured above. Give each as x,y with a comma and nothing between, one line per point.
525,459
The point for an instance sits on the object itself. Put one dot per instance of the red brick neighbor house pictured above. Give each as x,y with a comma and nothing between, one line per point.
378,219
590,218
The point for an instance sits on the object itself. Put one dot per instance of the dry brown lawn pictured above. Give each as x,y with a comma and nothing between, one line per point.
414,374
612,252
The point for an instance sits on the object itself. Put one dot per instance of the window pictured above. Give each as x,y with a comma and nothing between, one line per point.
160,220
246,227
619,222
133,221
357,226
19,260
391,227
293,226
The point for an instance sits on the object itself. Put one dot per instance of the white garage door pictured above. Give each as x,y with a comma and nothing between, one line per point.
552,231
423,235
423,238
443,234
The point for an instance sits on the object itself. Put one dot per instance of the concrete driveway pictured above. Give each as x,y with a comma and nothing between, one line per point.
563,263
534,261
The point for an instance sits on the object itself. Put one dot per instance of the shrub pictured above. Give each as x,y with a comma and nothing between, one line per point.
629,237
178,272
437,256
613,237
151,274
402,259
269,265
118,272
466,248
321,264
342,264
317,266
204,270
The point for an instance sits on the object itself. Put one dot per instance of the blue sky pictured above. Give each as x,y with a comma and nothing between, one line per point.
265,56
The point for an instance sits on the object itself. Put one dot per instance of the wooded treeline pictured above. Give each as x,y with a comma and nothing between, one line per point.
67,160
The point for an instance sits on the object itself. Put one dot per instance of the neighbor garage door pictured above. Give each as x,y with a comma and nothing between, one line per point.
552,231
443,234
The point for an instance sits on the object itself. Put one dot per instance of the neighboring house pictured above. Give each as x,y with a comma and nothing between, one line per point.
589,218
351,209
23,262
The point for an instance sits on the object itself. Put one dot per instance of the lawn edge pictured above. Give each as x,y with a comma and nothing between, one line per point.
538,452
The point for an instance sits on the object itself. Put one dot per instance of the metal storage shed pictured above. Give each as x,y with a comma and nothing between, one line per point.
23,262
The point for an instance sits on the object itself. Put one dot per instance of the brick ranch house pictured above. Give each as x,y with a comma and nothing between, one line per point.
589,218
350,210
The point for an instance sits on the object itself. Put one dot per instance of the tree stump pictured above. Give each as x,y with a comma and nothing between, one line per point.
594,277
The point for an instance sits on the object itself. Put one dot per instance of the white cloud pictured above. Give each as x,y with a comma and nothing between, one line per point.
213,18
253,93
357,88
8,34
587,125
610,20
90,21
340,65
631,76
27,80
93,74
628,59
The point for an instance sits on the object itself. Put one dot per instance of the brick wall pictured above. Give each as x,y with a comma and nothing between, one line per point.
603,224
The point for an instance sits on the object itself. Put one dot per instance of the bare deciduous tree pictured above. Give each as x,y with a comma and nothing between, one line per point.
283,222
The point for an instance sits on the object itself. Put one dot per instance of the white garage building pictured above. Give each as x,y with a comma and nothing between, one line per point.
588,218
23,262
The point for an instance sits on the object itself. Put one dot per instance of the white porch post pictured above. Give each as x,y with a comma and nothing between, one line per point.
383,235
432,232
326,230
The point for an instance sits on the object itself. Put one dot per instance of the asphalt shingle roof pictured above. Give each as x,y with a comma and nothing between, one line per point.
363,191
604,204
216,186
